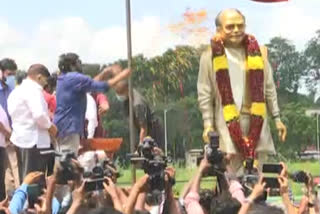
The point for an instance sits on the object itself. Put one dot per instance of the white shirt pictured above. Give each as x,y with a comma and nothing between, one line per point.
29,114
5,122
91,116
237,71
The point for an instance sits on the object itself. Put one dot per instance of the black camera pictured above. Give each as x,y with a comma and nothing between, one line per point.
299,177
94,179
68,170
213,154
153,163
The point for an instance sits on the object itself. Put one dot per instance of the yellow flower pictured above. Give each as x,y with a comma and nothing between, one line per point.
258,109
255,62
220,62
230,112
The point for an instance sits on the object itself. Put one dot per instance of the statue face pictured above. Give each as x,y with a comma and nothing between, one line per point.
232,29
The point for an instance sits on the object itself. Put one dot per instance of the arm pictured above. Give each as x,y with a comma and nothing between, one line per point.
186,188
192,199
284,189
271,97
77,199
256,192
204,165
143,132
103,103
285,194
136,189
18,200
111,189
171,202
4,124
117,72
20,196
91,116
6,131
206,93
49,195
141,200
140,113
39,109
206,90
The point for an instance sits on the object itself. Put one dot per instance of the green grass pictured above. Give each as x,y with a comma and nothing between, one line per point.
183,175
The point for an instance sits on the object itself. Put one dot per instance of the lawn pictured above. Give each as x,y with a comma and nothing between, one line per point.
183,175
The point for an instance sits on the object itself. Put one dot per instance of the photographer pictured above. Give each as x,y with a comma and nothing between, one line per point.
20,196
192,199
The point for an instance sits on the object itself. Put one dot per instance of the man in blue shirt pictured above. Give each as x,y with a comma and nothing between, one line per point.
71,90
8,68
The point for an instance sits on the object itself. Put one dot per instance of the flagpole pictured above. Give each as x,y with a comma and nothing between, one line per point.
131,124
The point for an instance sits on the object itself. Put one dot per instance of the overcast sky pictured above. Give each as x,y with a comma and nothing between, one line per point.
37,31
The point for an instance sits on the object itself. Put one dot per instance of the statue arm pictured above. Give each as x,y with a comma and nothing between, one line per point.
206,90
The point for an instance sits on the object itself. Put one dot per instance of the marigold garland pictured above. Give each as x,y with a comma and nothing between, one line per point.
245,144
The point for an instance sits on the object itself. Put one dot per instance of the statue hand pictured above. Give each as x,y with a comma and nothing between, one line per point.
282,131
205,133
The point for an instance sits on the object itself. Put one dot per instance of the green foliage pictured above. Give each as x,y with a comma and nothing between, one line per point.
312,54
169,82
301,129
288,64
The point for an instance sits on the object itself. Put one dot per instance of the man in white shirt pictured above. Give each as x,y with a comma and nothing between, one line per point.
5,132
91,116
30,120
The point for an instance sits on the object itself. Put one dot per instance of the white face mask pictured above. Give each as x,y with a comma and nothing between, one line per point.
121,98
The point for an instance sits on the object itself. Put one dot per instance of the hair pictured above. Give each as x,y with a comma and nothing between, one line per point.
52,81
140,212
218,17
20,76
66,61
36,69
224,203
8,64
100,210
206,197
263,208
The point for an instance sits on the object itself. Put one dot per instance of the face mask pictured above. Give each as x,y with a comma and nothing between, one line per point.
121,98
11,81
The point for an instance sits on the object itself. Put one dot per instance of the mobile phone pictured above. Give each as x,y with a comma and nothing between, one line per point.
272,183
272,168
94,184
33,191
42,182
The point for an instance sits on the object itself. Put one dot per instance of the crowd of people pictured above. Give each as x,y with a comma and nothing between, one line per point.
44,118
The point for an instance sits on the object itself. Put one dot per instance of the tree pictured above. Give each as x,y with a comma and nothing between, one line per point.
312,54
301,129
288,64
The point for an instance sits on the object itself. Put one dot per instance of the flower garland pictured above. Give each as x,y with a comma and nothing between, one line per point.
245,144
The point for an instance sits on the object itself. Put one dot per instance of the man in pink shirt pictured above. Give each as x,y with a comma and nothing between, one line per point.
102,108
49,95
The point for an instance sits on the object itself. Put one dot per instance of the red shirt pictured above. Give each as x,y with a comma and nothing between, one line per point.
100,99
52,103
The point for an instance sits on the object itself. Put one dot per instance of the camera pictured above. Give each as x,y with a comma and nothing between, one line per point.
213,154
68,170
153,163
299,177
95,178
